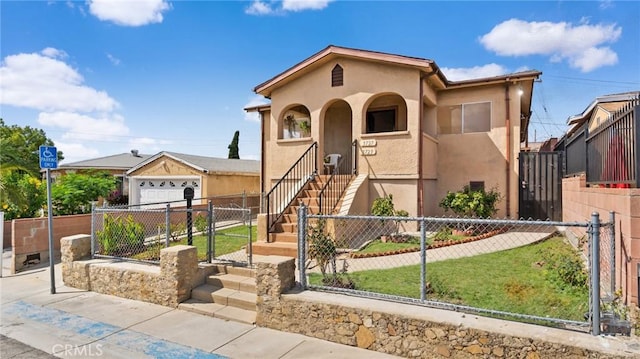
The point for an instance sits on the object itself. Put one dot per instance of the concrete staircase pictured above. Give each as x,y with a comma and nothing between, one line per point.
229,293
283,241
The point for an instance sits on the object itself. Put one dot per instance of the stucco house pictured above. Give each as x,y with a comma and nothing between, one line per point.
164,176
397,125
116,165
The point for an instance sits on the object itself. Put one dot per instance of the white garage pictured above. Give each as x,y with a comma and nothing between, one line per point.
157,191
162,178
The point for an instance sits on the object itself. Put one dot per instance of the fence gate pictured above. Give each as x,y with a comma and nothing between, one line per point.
540,185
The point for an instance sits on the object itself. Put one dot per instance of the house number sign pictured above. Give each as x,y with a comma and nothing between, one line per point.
368,147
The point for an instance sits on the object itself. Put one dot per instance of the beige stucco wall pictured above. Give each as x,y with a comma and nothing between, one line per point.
481,156
391,159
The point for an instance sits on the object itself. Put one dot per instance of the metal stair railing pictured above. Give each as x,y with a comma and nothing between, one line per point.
290,185
338,181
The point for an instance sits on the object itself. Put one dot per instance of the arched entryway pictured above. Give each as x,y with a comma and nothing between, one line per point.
337,130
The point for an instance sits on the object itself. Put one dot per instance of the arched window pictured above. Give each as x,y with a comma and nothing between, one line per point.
337,76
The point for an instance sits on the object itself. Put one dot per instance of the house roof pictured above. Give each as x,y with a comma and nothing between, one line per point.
425,65
602,100
332,51
122,161
205,164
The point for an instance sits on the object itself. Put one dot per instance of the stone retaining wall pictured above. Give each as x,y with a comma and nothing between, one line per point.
411,331
168,284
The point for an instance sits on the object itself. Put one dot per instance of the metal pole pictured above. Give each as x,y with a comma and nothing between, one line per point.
250,253
167,226
423,261
209,226
595,273
93,229
612,221
212,232
189,223
50,221
302,225
1,241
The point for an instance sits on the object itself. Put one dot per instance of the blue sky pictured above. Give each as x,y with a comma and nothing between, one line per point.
104,77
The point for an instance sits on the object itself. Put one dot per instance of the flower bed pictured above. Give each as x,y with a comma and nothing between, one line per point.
437,244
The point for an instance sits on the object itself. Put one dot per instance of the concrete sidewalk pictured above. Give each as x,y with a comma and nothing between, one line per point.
75,323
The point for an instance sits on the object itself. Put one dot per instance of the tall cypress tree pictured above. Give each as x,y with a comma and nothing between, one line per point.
233,147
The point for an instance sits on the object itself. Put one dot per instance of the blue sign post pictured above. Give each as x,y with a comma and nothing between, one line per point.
49,160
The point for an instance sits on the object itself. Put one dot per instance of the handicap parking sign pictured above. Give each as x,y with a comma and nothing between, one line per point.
48,157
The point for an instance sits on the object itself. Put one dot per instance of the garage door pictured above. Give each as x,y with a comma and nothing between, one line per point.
161,191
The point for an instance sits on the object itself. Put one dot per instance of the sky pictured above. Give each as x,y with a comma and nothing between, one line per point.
103,77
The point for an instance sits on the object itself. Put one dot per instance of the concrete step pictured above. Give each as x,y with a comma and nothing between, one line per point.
281,237
276,249
224,296
233,281
235,270
219,311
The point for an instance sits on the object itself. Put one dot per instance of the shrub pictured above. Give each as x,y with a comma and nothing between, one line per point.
201,223
470,203
565,268
120,234
384,207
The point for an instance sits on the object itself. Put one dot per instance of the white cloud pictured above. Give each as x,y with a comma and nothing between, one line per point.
300,5
85,128
259,7
114,60
459,74
129,12
74,152
149,145
54,53
45,83
256,100
561,41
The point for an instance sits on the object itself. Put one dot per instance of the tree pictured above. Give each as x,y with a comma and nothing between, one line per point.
22,194
19,147
233,147
74,192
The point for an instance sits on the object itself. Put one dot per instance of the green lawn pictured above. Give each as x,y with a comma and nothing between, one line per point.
227,241
513,281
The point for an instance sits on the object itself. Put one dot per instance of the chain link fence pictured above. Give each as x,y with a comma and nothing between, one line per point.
531,271
138,234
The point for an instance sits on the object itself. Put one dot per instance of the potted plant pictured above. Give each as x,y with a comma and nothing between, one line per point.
305,126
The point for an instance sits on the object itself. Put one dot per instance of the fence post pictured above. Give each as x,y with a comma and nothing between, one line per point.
209,227
167,226
595,273
612,234
93,229
212,232
423,260
250,252
302,226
